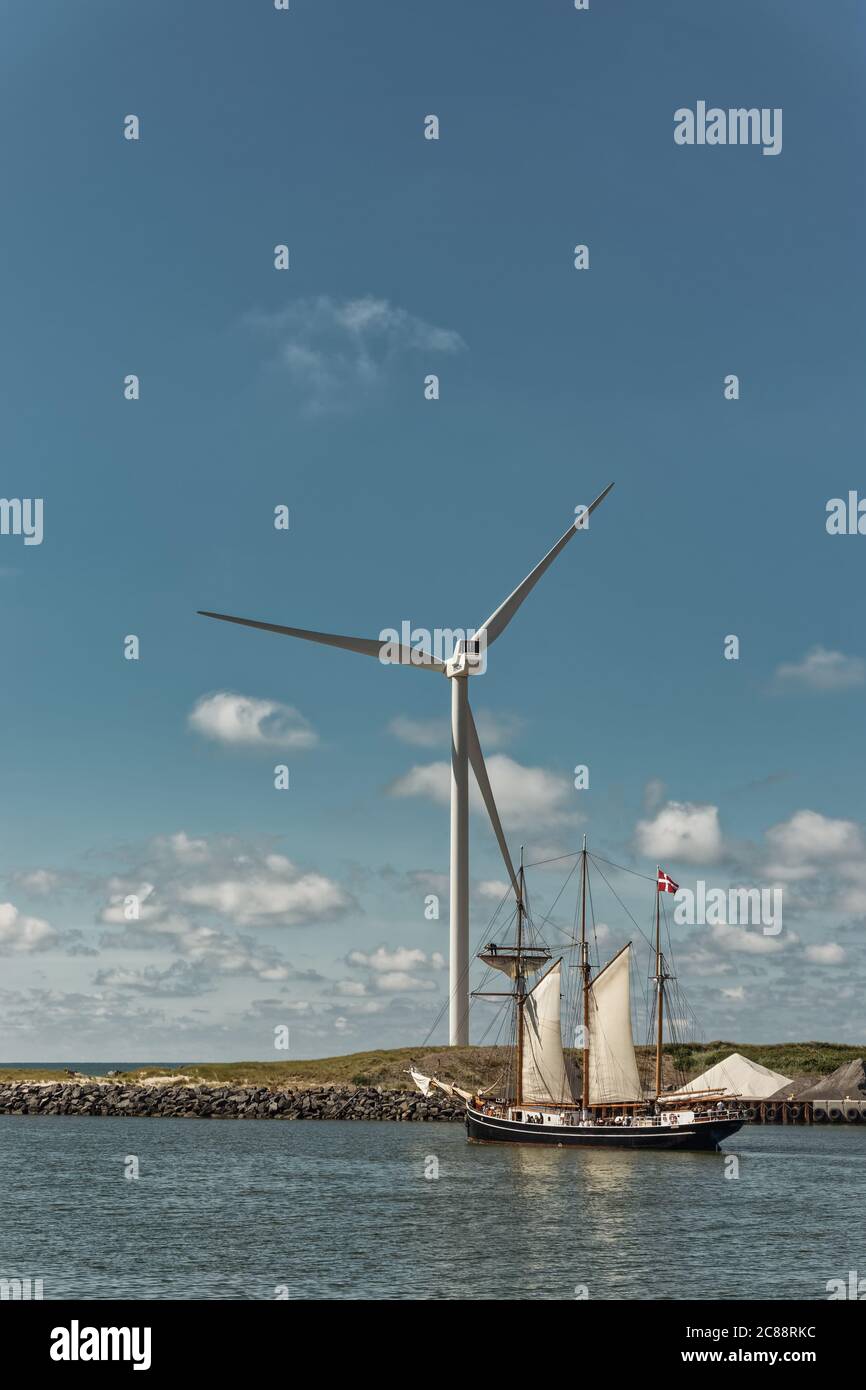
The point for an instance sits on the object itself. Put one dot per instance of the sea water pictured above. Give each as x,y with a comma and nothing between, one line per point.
263,1209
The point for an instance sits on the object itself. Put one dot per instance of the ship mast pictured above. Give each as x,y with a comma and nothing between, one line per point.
518,962
660,978
584,966
520,985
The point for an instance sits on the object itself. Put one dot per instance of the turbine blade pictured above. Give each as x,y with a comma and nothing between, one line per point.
499,620
366,646
479,767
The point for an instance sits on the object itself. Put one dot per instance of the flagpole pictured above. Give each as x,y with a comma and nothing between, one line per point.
660,1007
584,965
520,988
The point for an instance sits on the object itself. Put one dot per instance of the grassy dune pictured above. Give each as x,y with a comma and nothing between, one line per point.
471,1066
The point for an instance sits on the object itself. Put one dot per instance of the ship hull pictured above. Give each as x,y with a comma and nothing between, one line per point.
700,1135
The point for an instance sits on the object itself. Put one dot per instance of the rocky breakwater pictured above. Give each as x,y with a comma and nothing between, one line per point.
222,1102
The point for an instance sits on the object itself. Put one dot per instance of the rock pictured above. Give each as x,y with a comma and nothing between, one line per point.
223,1102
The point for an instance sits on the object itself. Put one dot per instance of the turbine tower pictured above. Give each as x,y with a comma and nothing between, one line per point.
468,659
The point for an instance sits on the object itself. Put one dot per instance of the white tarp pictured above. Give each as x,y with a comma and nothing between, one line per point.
737,1076
613,1071
544,1075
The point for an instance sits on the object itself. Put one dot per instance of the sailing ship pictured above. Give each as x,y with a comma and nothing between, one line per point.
542,1100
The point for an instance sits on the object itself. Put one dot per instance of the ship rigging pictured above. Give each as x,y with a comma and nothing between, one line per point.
545,1095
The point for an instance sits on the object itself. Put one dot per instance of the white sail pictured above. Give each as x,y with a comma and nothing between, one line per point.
612,1064
426,1084
544,1075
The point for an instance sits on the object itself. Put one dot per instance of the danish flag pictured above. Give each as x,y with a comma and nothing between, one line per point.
665,883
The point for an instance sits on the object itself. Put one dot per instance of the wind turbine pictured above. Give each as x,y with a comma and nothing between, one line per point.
466,660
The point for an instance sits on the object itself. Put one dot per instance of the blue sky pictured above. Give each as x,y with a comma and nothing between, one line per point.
258,388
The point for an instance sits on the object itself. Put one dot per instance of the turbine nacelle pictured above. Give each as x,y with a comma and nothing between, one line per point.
469,658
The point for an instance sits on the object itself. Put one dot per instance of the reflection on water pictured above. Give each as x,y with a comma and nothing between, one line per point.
234,1209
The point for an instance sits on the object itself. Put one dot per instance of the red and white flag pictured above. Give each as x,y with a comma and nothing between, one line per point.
665,883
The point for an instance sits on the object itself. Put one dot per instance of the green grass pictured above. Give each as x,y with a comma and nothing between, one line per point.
791,1059
470,1066
33,1074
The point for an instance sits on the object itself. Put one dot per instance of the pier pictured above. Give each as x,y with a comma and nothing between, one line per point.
807,1112
776,1112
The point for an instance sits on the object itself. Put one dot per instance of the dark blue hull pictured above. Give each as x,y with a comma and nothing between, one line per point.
700,1134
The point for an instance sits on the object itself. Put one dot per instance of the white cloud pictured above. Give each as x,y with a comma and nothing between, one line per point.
853,900
828,954
525,796
681,832
382,960
179,978
823,670
399,982
268,900
187,850
206,952
334,352
811,835
366,1006
119,905
22,934
244,721
808,839
431,780
40,881
704,960
749,943
427,882
736,995
494,730
351,987
529,796
421,733
492,888
396,971
248,885
653,793
548,858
